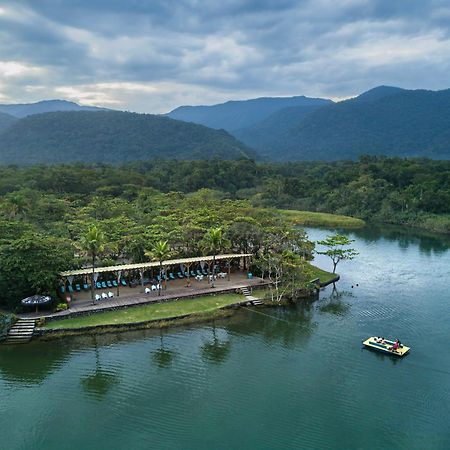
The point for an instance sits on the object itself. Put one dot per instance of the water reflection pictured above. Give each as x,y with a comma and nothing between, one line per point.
334,303
100,381
216,351
163,357
33,362
428,243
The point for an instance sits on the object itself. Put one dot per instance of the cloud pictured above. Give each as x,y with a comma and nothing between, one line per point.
154,56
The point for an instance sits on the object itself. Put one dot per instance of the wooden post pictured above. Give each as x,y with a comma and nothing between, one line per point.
229,268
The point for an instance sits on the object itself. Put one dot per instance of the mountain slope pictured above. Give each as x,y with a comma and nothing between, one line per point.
26,109
409,123
234,115
268,134
110,137
6,120
383,121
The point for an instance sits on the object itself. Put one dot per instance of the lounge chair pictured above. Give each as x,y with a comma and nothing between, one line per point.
98,297
110,294
104,285
147,290
180,275
98,285
86,286
78,288
114,283
158,277
193,274
109,284
104,295
123,282
171,276
165,277
62,289
70,288
204,272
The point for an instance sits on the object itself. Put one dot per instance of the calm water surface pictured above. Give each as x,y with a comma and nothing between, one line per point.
264,379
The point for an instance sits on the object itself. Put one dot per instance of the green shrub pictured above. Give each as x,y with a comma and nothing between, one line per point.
61,306
6,322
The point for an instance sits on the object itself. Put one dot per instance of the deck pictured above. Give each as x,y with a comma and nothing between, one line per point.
176,289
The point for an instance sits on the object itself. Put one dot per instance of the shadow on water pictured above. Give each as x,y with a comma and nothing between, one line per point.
427,242
163,357
334,303
217,350
33,362
99,382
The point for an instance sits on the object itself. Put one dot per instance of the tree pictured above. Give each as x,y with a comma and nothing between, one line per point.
31,264
337,249
283,261
161,251
93,244
214,241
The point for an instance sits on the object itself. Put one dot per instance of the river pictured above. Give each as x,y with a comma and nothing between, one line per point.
294,377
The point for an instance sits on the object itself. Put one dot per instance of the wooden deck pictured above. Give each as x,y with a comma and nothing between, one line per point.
176,289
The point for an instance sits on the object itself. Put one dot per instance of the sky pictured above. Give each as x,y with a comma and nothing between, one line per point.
154,55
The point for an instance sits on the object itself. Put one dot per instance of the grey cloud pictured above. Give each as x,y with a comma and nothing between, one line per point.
208,50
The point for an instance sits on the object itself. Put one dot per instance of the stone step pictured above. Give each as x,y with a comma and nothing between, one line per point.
25,332
23,325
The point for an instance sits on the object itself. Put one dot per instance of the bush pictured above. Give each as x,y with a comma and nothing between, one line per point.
61,306
6,322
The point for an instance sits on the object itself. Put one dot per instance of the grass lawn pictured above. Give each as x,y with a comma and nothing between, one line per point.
323,275
309,218
165,310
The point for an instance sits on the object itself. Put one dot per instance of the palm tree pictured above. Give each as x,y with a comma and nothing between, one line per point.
93,244
214,241
161,251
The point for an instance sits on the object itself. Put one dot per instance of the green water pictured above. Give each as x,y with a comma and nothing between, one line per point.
265,379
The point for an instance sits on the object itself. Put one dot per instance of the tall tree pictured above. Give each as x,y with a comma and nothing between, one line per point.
214,241
161,251
93,244
337,249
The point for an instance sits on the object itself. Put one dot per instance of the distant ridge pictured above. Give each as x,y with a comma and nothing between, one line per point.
26,109
385,120
6,120
235,115
112,137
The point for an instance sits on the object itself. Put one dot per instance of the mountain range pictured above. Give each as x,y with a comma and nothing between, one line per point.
382,121
26,109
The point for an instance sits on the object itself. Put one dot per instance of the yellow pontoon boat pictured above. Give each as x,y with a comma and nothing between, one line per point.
385,346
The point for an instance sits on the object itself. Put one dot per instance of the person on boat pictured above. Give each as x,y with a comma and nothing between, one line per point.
394,348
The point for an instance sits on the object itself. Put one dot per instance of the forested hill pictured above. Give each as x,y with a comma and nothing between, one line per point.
111,137
384,121
6,120
234,115
26,109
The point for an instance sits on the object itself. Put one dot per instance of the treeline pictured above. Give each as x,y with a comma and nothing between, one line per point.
403,191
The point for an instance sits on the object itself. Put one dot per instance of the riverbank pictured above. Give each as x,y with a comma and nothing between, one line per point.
319,219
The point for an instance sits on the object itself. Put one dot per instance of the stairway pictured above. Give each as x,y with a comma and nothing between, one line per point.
21,332
251,300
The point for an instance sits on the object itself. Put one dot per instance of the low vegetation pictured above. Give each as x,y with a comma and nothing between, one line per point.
317,219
